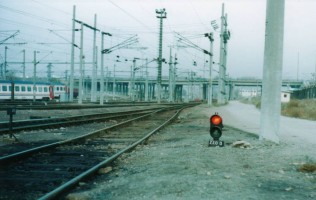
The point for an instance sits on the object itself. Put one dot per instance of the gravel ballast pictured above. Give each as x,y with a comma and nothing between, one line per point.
177,163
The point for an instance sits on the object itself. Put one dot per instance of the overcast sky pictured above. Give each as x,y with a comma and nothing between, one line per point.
45,25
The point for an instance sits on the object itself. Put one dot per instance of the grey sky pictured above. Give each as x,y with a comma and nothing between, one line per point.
190,18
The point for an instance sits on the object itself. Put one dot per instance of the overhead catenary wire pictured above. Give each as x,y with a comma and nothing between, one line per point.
125,31
130,15
33,16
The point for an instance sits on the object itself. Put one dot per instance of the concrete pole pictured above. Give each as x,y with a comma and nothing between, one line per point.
315,75
272,71
226,37
146,82
34,78
72,57
107,83
49,71
114,84
170,76
96,70
5,62
201,92
221,83
102,72
174,78
210,83
191,86
298,66
133,80
130,83
81,63
94,65
23,65
84,77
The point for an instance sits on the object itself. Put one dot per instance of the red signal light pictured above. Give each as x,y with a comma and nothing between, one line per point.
216,120
216,123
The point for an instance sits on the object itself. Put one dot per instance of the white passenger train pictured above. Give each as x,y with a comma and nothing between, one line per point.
26,90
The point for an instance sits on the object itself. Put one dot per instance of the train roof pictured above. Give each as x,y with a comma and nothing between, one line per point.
31,82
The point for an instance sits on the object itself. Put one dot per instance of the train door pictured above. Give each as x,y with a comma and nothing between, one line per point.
51,92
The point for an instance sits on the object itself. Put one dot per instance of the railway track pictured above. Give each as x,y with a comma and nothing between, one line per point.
47,172
54,122
42,105
42,134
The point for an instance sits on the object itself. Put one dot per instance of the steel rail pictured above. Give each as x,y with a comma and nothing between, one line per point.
48,122
66,186
66,107
12,157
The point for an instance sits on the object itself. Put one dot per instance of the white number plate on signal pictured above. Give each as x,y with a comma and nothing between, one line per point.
214,143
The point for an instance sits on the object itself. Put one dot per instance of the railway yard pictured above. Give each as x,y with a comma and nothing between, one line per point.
98,101
145,151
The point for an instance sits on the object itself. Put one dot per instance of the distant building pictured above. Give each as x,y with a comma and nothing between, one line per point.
285,96
249,92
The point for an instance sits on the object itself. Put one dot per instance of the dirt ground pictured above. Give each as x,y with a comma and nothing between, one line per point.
177,163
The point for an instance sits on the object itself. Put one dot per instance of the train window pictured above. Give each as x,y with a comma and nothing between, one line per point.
10,88
61,88
34,88
40,89
4,88
57,88
29,88
45,89
17,88
23,89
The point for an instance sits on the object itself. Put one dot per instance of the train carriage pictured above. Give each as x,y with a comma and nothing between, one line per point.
26,90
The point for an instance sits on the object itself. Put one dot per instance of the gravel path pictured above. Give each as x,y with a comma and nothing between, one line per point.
178,164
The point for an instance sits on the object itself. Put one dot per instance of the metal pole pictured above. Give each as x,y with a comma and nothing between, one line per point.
72,66
81,63
272,71
94,67
12,89
161,15
159,64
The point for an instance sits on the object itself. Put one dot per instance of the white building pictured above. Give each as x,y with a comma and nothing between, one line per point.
285,96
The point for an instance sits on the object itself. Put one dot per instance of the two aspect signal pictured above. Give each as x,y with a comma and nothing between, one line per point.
216,126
